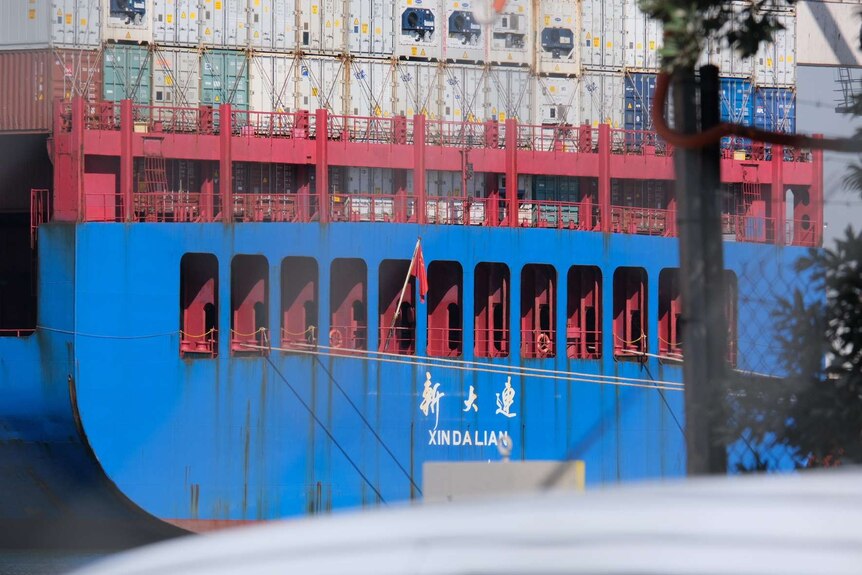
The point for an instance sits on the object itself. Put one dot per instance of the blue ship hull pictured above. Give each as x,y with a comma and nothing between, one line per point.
102,388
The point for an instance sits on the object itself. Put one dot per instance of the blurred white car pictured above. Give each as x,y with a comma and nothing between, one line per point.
807,523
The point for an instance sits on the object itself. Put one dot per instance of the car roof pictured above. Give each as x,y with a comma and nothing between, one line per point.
803,523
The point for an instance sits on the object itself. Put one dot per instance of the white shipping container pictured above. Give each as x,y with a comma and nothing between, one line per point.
557,44
775,63
283,24
372,88
728,60
601,99
127,21
466,40
224,23
274,83
322,26
601,37
510,94
176,78
511,34
370,29
442,184
41,23
418,89
464,93
261,24
556,100
418,29
375,181
175,22
322,84
643,38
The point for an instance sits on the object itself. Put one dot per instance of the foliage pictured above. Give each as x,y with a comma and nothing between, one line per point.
816,411
688,23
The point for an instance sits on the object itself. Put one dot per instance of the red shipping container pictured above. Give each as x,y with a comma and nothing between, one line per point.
31,79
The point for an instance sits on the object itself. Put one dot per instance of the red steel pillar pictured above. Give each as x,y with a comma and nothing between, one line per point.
303,192
512,170
127,165
321,166
492,193
419,166
225,169
207,191
605,176
815,194
69,162
399,184
778,207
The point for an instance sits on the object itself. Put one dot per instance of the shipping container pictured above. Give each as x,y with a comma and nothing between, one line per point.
729,62
372,87
510,94
323,85
602,23
601,98
643,38
556,189
127,73
274,83
224,78
375,181
30,80
418,29
418,89
127,20
466,39
322,26
465,90
371,30
557,45
176,78
272,25
639,92
775,109
775,63
737,101
175,22
510,40
224,24
42,23
441,184
556,100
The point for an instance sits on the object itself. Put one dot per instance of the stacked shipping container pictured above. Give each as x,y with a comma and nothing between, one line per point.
541,61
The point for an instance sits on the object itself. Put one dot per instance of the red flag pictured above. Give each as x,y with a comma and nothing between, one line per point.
419,272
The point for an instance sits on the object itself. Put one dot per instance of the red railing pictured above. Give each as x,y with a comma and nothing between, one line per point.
583,344
300,340
168,206
199,344
362,129
491,342
348,337
455,134
800,232
445,342
255,342
643,221
269,124
630,348
400,340
559,215
558,138
274,208
538,343
372,208
639,143
748,228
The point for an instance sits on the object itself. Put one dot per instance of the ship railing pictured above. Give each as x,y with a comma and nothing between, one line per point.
167,206
800,232
265,124
299,340
747,228
254,342
486,211
362,129
348,337
560,215
491,342
669,349
743,149
395,208
17,332
265,207
102,115
583,344
199,344
634,347
558,138
454,134
65,119
172,120
400,340
643,221
445,341
639,143
538,343
464,211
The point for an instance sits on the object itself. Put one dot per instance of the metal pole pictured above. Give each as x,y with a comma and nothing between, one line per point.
699,240
401,296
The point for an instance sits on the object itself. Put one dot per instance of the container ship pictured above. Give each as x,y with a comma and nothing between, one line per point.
213,303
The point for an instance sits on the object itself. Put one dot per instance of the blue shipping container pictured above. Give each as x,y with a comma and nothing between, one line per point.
639,92
737,101
775,109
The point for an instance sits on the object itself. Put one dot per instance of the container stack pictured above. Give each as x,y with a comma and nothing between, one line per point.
540,61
